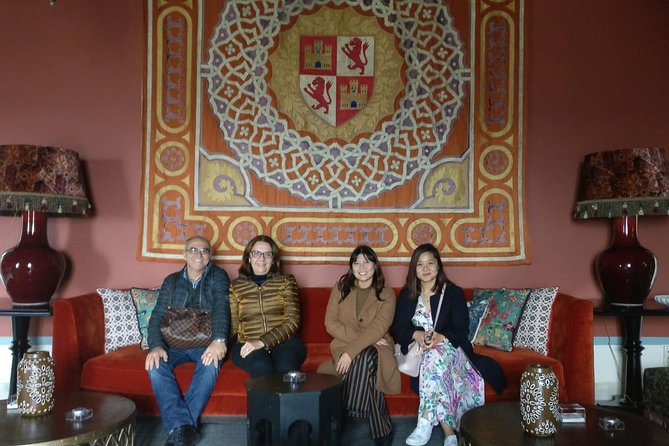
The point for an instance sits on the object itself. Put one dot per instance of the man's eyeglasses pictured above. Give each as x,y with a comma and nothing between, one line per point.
265,255
203,251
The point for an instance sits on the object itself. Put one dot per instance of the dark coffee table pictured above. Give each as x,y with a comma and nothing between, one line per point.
112,423
315,401
498,424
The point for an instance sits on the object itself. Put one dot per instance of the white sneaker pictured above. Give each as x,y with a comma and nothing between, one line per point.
451,440
421,435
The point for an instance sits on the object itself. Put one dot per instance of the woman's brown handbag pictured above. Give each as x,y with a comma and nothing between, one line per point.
186,328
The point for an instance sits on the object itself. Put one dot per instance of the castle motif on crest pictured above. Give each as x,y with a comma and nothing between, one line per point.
318,57
352,96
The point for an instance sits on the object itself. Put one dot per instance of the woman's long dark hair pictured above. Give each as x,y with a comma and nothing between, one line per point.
412,284
347,281
246,271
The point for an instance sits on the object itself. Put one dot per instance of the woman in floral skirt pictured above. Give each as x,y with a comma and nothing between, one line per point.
451,378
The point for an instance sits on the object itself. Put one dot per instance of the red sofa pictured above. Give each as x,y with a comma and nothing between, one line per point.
81,364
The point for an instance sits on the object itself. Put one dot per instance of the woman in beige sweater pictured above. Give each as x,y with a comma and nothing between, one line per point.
358,316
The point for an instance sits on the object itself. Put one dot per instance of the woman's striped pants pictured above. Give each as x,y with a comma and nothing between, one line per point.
361,399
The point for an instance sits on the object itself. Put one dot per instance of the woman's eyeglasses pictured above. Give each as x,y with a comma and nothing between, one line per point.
265,255
203,251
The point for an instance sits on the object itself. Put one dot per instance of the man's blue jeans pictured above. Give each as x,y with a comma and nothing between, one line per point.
176,410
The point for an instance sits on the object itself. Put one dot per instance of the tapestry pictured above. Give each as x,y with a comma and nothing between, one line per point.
332,123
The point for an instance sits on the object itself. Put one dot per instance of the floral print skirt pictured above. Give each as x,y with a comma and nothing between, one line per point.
449,385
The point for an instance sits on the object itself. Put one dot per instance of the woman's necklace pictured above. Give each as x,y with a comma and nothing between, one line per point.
426,301
426,294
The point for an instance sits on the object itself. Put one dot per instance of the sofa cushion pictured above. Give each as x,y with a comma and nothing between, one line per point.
144,300
121,327
534,324
498,323
477,306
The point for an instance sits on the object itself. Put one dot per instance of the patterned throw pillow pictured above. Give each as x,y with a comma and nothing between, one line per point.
477,307
121,326
499,322
145,300
533,328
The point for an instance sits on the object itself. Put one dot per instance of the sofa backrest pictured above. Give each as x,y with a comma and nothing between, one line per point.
314,302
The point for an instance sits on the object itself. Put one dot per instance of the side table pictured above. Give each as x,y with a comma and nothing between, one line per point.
631,318
21,316
316,401
498,424
112,423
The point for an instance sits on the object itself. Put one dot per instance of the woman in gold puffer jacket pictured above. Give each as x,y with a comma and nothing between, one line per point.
265,313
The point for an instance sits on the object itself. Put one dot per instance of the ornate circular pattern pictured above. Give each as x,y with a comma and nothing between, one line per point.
400,147
496,162
424,231
244,230
173,158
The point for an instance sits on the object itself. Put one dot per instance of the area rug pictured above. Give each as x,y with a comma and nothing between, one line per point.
332,123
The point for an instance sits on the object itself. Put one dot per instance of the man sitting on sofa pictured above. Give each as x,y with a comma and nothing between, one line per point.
199,284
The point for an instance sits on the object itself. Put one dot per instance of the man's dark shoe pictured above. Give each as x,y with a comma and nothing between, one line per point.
184,435
189,435
174,437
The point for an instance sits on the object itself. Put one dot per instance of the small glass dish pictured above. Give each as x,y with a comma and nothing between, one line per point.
611,423
294,376
79,414
571,413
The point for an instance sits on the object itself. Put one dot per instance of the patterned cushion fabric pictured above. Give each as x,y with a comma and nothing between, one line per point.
121,326
533,328
477,307
500,319
145,300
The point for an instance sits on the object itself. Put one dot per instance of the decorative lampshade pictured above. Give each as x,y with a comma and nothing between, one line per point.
623,185
36,181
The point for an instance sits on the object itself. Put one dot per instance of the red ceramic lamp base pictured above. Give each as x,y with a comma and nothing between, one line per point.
626,270
32,270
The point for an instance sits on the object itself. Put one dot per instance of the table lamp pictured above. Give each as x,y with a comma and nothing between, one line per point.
623,185
36,181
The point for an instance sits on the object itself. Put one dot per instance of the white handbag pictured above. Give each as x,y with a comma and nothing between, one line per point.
409,364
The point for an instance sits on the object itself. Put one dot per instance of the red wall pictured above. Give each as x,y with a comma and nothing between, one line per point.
71,76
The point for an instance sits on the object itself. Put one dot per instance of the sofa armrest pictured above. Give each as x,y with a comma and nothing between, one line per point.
78,335
571,342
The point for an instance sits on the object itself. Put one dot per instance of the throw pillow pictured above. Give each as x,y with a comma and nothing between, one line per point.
533,328
500,319
121,326
477,307
145,300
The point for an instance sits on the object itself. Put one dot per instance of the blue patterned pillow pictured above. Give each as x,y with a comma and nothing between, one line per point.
477,307
499,322
144,300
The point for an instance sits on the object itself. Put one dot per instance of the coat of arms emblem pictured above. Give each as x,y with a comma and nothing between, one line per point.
336,75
